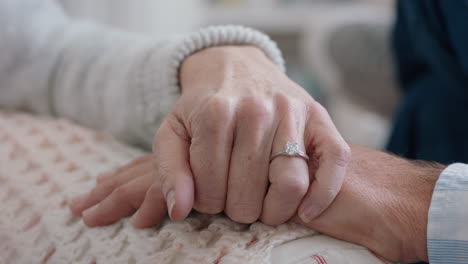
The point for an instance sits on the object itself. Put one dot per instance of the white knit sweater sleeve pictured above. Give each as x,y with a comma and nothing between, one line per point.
100,77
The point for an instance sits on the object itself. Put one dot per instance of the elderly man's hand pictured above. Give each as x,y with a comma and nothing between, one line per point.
213,150
383,205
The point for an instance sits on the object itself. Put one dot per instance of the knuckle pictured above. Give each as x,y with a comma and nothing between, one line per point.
270,221
162,130
293,187
256,110
171,125
316,109
165,180
164,171
243,213
340,153
209,205
287,104
318,113
219,106
215,115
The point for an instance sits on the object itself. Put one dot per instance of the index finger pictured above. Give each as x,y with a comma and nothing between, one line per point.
171,150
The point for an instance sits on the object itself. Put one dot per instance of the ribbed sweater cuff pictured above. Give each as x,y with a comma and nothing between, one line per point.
160,75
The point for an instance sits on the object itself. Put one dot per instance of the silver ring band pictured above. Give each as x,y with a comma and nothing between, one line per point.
291,150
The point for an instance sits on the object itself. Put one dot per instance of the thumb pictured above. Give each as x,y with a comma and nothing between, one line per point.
171,148
333,154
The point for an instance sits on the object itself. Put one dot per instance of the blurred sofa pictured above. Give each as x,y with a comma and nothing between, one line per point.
348,51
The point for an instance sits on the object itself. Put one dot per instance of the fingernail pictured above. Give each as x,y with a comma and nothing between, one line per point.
133,219
88,213
77,202
170,199
309,214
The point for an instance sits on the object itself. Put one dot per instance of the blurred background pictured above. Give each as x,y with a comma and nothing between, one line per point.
339,50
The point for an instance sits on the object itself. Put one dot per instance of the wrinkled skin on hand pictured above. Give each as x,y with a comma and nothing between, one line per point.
213,150
383,204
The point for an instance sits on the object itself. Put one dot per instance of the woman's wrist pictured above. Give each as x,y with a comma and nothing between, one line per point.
212,66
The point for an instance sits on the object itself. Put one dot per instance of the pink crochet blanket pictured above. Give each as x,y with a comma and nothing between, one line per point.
44,162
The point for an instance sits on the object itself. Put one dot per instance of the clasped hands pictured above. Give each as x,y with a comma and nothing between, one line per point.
212,154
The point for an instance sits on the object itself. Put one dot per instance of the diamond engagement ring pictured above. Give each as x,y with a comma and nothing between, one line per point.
292,150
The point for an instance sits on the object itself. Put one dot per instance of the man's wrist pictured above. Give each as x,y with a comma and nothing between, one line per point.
411,207
399,192
428,174
383,205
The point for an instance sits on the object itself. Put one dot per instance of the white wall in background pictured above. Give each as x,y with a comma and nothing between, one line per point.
158,17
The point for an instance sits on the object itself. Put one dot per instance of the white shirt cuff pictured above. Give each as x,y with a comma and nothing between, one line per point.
447,231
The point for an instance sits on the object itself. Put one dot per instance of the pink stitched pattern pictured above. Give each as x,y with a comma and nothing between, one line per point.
48,255
71,167
251,242
44,162
59,158
46,144
16,152
31,166
319,259
75,139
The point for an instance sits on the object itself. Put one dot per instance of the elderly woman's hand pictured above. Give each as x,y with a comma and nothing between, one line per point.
214,149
